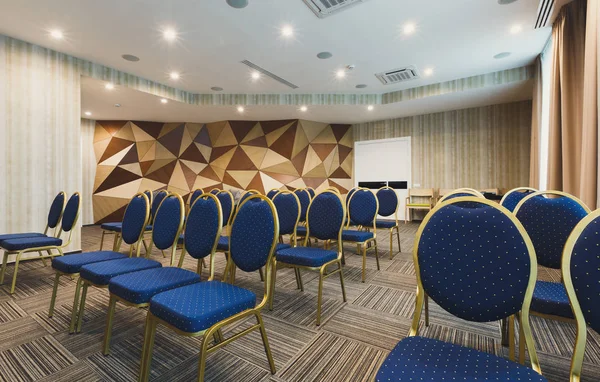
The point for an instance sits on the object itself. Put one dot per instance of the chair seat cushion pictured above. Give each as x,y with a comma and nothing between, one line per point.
113,227
306,256
73,263
101,273
223,244
10,236
385,223
551,298
301,230
282,246
197,307
30,242
356,236
426,359
139,287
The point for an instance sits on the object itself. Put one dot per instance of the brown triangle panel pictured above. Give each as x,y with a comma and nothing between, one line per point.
114,146
112,126
270,126
285,144
117,177
339,131
218,152
116,216
163,174
172,140
258,142
152,128
241,128
240,161
131,156
192,153
203,137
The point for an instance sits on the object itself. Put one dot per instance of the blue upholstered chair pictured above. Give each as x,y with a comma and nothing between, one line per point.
271,194
39,244
461,192
54,215
202,230
214,191
514,196
135,220
348,196
168,223
487,283
202,309
325,218
362,211
388,207
114,228
311,192
304,197
581,276
227,206
549,221
247,194
194,195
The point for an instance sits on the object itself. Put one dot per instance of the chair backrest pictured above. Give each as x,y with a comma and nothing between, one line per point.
471,190
363,207
476,263
581,277
288,211
421,192
514,196
490,191
549,222
168,223
248,194
71,214
226,199
325,216
160,196
443,191
136,218
311,192
349,195
254,233
304,197
334,189
459,194
195,195
56,210
150,196
203,228
388,201
215,191
271,194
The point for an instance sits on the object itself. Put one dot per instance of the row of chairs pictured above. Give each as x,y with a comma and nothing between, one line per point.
499,281
425,199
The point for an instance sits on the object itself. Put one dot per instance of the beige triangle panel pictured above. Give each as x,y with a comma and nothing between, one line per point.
193,129
344,183
317,172
348,138
146,150
157,164
325,136
335,163
285,168
274,135
347,165
127,190
152,185
139,134
312,161
100,133
272,159
298,183
167,128
269,183
254,133
204,150
205,183
226,138
178,178
329,160
132,167
179,191
300,141
243,178
116,159
215,129
194,166
256,154
312,129
126,132
102,172
223,160
219,171
106,205
186,141
100,147
163,153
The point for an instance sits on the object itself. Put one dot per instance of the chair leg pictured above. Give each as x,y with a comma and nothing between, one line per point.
504,331
426,310
376,254
115,242
14,279
263,333
147,349
75,312
112,304
364,262
199,267
4,263
53,298
42,258
300,280
272,286
297,281
82,306
320,295
398,237
511,338
391,242
521,342
102,239
260,273
203,355
342,281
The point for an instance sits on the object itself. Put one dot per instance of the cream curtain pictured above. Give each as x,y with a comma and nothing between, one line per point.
573,146
536,126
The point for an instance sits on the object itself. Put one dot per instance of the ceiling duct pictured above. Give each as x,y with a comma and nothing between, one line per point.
324,8
269,74
543,14
396,76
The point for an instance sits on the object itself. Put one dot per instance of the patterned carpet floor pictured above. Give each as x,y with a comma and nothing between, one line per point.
350,344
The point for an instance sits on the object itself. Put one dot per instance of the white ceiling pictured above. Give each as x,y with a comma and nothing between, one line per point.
458,38
137,105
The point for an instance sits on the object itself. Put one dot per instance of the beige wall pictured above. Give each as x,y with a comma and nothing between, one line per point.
485,147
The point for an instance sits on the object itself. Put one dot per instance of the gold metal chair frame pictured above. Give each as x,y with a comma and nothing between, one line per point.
310,188
418,206
361,246
518,189
470,191
323,274
397,227
522,316
228,228
114,298
148,248
48,249
116,241
215,330
581,337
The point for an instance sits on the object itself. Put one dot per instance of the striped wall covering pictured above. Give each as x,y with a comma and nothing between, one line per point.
485,147
88,158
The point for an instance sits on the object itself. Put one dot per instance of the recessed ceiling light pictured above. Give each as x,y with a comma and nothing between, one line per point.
238,3
505,2
109,86
164,100
502,55
117,105
287,31
174,75
340,73
255,75
240,109
303,108
324,55
370,107
409,28
361,86
516,29
170,34
88,113
57,34
216,88
130,57
428,72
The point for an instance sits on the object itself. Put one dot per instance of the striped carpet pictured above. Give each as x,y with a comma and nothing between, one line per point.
350,344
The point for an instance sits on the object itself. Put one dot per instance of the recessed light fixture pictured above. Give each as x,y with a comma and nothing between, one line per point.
216,88
428,72
502,55
324,55
409,28
88,113
361,86
164,100
57,34
340,73
240,109
255,75
117,105
174,75
238,3
130,57
370,107
170,34
505,2
303,108
109,86
516,29
287,31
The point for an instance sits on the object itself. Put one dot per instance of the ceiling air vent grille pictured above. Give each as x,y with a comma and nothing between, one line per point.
324,8
544,12
396,76
269,74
